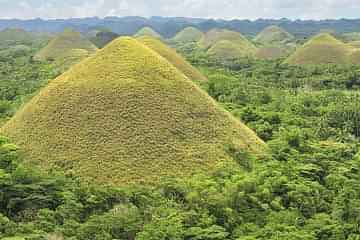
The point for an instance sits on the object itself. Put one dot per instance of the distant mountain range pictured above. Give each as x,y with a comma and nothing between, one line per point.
169,26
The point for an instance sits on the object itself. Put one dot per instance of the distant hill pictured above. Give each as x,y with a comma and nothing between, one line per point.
173,57
215,35
321,49
126,115
226,44
149,32
102,38
274,35
169,26
227,50
272,52
352,36
189,34
62,46
14,36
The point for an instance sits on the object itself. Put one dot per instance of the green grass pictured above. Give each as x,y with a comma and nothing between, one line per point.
321,49
189,34
149,32
216,35
12,36
352,36
173,57
64,44
126,115
227,50
271,52
225,44
273,35
354,44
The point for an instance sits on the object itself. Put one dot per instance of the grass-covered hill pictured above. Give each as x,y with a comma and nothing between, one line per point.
149,32
173,57
127,115
189,34
13,36
321,49
227,50
226,44
216,35
271,52
273,35
62,46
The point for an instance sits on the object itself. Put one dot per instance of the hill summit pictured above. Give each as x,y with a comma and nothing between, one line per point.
321,49
274,35
189,34
149,32
126,115
63,46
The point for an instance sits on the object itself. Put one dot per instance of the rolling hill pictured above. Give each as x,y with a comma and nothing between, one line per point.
149,32
173,57
226,44
216,35
321,49
227,50
126,115
62,46
271,52
189,34
273,35
12,36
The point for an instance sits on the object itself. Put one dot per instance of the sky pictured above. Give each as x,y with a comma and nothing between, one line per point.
225,9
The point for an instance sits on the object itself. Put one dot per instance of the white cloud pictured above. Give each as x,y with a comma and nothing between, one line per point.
226,9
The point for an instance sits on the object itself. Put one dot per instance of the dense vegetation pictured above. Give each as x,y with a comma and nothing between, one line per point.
308,188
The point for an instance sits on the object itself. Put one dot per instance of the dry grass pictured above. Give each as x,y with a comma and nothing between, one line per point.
321,49
173,57
148,32
273,35
63,44
272,52
216,35
227,50
126,115
189,34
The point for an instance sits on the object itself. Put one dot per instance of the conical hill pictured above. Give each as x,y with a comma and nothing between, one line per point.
273,35
64,44
126,115
321,49
149,32
189,34
173,57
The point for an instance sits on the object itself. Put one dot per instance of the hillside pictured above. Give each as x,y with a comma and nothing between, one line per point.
321,49
189,34
149,32
173,57
126,115
271,52
63,44
215,35
273,35
227,50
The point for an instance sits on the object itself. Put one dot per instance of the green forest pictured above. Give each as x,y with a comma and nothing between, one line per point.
306,186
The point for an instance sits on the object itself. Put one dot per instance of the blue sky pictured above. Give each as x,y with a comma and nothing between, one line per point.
227,9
